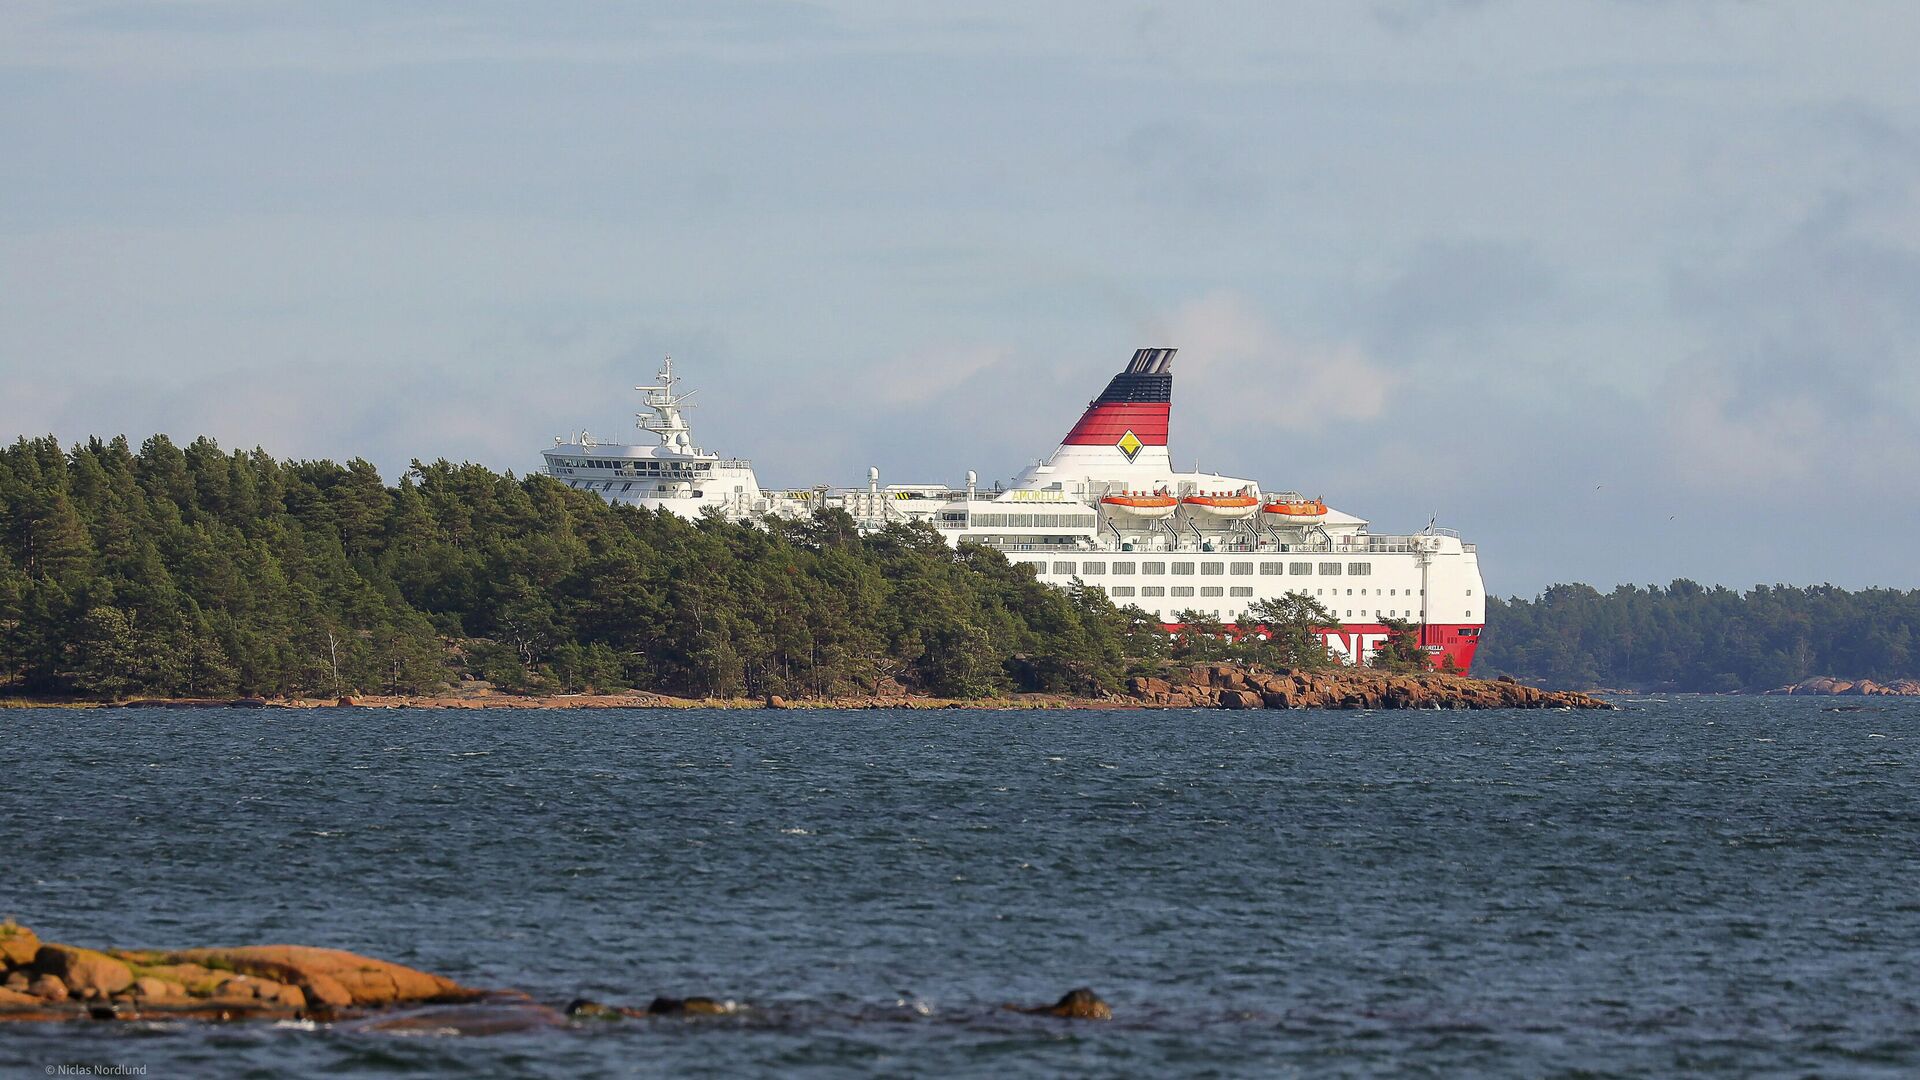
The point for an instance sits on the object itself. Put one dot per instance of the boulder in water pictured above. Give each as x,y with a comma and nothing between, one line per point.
1080,1003
86,973
584,1009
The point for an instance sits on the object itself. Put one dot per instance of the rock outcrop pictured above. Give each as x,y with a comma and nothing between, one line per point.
56,981
18,945
86,974
1827,685
1227,686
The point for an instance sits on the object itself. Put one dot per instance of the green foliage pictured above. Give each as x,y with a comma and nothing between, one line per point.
1402,650
1289,620
1687,637
1201,638
202,572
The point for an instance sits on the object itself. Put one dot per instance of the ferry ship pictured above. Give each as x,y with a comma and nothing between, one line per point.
1106,508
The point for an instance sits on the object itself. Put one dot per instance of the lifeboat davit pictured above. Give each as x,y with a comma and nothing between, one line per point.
1295,511
1140,505
1224,507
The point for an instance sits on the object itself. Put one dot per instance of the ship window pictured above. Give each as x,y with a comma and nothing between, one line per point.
1183,568
1359,568
1393,592
1093,568
1273,569
1300,568
1153,590
1183,590
1243,590
1123,590
1213,590
626,487
1349,613
1123,568
1065,568
1330,568
1153,568
1244,567
1213,568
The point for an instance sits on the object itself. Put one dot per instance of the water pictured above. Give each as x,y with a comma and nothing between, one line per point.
1689,886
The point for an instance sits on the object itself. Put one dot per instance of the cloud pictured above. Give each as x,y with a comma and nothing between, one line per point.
1808,369
1253,374
1191,166
187,36
1457,289
923,377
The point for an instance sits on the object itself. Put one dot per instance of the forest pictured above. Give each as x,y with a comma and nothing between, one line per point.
1694,638
198,572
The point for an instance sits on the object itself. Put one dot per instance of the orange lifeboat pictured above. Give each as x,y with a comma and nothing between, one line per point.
1218,505
1295,511
1139,504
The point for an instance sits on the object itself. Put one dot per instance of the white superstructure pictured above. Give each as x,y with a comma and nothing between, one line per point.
675,475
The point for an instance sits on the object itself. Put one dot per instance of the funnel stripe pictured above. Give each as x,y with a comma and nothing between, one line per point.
1104,424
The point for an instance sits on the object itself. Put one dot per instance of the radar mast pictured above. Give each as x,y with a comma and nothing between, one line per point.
664,418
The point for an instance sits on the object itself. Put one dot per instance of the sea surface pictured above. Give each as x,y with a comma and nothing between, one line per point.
1685,887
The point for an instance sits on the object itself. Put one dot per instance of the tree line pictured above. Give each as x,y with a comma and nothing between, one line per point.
197,572
1694,638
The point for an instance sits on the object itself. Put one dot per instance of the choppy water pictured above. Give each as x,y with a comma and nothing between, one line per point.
1687,887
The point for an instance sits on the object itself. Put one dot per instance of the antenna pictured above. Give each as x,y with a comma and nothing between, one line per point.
665,404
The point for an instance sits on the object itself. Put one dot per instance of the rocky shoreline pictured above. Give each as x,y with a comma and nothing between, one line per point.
1828,686
1227,686
1205,686
46,982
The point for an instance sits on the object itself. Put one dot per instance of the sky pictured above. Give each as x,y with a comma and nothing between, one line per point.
1622,290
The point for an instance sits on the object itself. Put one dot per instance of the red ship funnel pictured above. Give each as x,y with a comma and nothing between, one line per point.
1132,412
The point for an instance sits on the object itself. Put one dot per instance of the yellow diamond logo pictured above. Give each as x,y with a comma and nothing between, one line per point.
1129,445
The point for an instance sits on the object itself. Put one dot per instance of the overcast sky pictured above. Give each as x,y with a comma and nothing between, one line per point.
1625,290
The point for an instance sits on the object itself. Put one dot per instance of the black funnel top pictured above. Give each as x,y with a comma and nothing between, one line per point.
1146,379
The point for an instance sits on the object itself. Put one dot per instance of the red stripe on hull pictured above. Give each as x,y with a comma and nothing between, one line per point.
1103,425
1455,641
